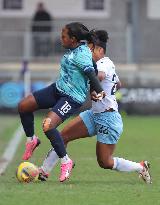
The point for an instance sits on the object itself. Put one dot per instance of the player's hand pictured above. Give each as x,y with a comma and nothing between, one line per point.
94,96
99,96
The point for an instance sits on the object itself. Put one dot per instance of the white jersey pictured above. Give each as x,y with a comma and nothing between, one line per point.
109,86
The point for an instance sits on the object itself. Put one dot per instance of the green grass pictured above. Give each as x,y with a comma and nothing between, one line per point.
89,184
8,125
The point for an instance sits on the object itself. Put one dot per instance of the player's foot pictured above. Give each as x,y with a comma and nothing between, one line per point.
30,147
43,176
66,170
144,174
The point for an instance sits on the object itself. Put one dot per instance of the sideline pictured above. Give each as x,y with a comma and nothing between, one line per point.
10,150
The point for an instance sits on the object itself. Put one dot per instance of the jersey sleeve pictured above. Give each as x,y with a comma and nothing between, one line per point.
103,67
106,67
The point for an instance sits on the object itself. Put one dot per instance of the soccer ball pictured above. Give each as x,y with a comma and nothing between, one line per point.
27,172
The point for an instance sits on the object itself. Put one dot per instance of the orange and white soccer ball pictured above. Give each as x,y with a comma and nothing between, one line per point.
27,172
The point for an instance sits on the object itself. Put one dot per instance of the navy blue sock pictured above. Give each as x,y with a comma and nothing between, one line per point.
56,142
27,120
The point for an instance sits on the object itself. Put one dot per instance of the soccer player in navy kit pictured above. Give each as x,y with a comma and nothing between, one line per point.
103,120
65,96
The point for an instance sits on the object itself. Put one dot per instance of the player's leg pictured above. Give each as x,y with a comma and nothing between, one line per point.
39,100
64,108
104,154
75,129
107,138
107,161
50,123
26,108
79,127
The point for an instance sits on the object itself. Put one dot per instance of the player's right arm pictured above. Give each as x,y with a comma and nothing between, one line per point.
84,61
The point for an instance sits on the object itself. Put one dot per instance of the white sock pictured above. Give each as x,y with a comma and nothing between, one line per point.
50,161
65,159
34,136
124,165
29,139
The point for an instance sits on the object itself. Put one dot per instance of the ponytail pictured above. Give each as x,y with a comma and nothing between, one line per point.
79,31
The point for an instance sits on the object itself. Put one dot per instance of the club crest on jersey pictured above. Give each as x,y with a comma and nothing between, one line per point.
70,56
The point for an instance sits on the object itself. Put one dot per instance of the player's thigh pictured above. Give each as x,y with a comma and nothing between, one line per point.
74,129
46,97
109,127
88,119
66,107
104,152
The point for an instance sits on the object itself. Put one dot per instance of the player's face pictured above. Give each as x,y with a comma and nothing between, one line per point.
97,53
66,41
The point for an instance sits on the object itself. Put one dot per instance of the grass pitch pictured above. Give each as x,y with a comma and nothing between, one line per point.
8,125
89,184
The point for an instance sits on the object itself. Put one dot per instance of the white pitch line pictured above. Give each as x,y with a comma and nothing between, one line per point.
10,150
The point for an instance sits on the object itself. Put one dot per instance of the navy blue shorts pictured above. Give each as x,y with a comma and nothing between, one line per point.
50,97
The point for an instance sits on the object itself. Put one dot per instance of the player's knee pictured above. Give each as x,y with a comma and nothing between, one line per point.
105,164
47,124
21,107
102,164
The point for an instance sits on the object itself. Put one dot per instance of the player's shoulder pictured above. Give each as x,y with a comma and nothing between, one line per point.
106,61
82,49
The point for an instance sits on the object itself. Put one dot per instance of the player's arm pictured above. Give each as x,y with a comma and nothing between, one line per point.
94,81
101,75
119,85
85,63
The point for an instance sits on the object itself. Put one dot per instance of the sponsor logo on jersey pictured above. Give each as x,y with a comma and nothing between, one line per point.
65,108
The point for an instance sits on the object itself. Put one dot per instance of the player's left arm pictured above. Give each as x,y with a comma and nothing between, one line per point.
118,83
85,63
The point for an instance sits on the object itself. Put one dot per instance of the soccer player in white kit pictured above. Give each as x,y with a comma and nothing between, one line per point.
103,120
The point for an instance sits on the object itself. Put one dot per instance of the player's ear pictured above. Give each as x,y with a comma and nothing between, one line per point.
73,39
101,50
91,46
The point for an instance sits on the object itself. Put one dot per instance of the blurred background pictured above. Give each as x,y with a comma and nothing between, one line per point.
30,48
